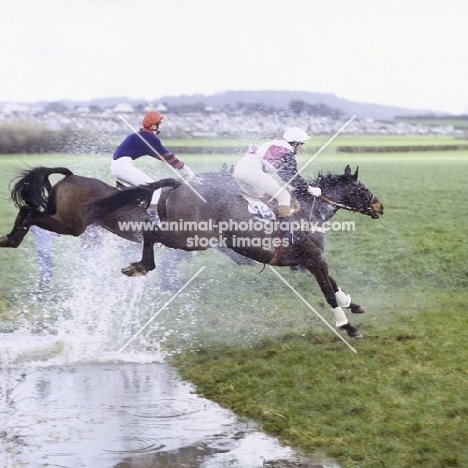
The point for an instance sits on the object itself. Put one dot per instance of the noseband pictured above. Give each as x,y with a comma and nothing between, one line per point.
360,209
339,205
347,207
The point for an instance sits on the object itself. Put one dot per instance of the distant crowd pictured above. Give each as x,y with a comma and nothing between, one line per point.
224,124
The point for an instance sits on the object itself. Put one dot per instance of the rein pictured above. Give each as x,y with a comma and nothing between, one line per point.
339,205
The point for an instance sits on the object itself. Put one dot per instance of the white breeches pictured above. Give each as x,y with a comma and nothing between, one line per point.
254,182
124,170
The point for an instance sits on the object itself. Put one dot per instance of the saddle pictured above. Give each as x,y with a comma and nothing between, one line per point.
121,185
267,210
165,192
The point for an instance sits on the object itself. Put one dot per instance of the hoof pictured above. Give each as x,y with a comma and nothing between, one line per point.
134,269
357,309
3,241
352,331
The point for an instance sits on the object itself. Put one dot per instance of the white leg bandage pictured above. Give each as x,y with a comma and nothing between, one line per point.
342,298
340,317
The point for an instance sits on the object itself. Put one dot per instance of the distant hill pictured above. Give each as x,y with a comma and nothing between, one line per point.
275,99
282,99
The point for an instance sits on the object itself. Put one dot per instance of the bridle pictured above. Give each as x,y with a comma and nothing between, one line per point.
347,207
366,209
339,205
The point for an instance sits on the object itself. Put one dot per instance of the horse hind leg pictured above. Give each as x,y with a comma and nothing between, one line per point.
28,217
146,264
19,230
134,269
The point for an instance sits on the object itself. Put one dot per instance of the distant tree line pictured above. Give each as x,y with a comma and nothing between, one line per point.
299,107
34,138
296,107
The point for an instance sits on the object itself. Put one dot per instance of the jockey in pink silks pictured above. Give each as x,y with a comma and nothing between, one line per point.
275,157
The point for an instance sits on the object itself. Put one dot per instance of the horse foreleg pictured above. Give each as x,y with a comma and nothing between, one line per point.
345,299
146,264
327,286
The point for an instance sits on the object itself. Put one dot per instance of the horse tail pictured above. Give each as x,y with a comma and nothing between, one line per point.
100,208
34,189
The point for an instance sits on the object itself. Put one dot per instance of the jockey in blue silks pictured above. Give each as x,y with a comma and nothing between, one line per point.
145,143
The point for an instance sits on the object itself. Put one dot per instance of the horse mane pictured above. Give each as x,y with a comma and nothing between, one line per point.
325,179
34,189
223,176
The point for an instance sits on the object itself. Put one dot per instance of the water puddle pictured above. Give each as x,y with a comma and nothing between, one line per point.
123,414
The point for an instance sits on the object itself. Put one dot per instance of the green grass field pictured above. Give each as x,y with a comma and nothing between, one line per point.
342,140
248,343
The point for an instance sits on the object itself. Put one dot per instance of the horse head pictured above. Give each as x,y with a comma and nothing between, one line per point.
348,192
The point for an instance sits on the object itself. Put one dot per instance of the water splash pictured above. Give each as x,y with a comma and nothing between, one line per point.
70,399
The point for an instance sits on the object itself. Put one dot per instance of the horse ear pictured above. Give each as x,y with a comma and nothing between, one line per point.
347,170
356,173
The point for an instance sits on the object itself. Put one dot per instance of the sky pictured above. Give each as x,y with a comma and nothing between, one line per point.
405,53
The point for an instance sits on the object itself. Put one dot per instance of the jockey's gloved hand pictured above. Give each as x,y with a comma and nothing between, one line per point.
314,191
187,173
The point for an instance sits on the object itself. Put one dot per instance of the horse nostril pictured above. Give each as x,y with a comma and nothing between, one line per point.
377,206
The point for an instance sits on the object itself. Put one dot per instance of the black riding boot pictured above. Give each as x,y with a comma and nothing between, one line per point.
287,232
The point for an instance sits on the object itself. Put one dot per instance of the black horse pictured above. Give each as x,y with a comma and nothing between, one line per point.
223,221
220,218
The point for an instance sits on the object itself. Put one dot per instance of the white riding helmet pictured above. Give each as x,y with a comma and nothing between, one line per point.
295,135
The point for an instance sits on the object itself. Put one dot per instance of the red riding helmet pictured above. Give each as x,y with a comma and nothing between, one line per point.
152,118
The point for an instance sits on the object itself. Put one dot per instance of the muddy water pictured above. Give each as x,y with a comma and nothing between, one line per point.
118,414
106,415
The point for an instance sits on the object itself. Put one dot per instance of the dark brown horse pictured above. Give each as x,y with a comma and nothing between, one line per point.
62,208
223,220
189,223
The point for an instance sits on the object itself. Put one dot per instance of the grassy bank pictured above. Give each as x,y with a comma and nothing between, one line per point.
247,342
401,400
